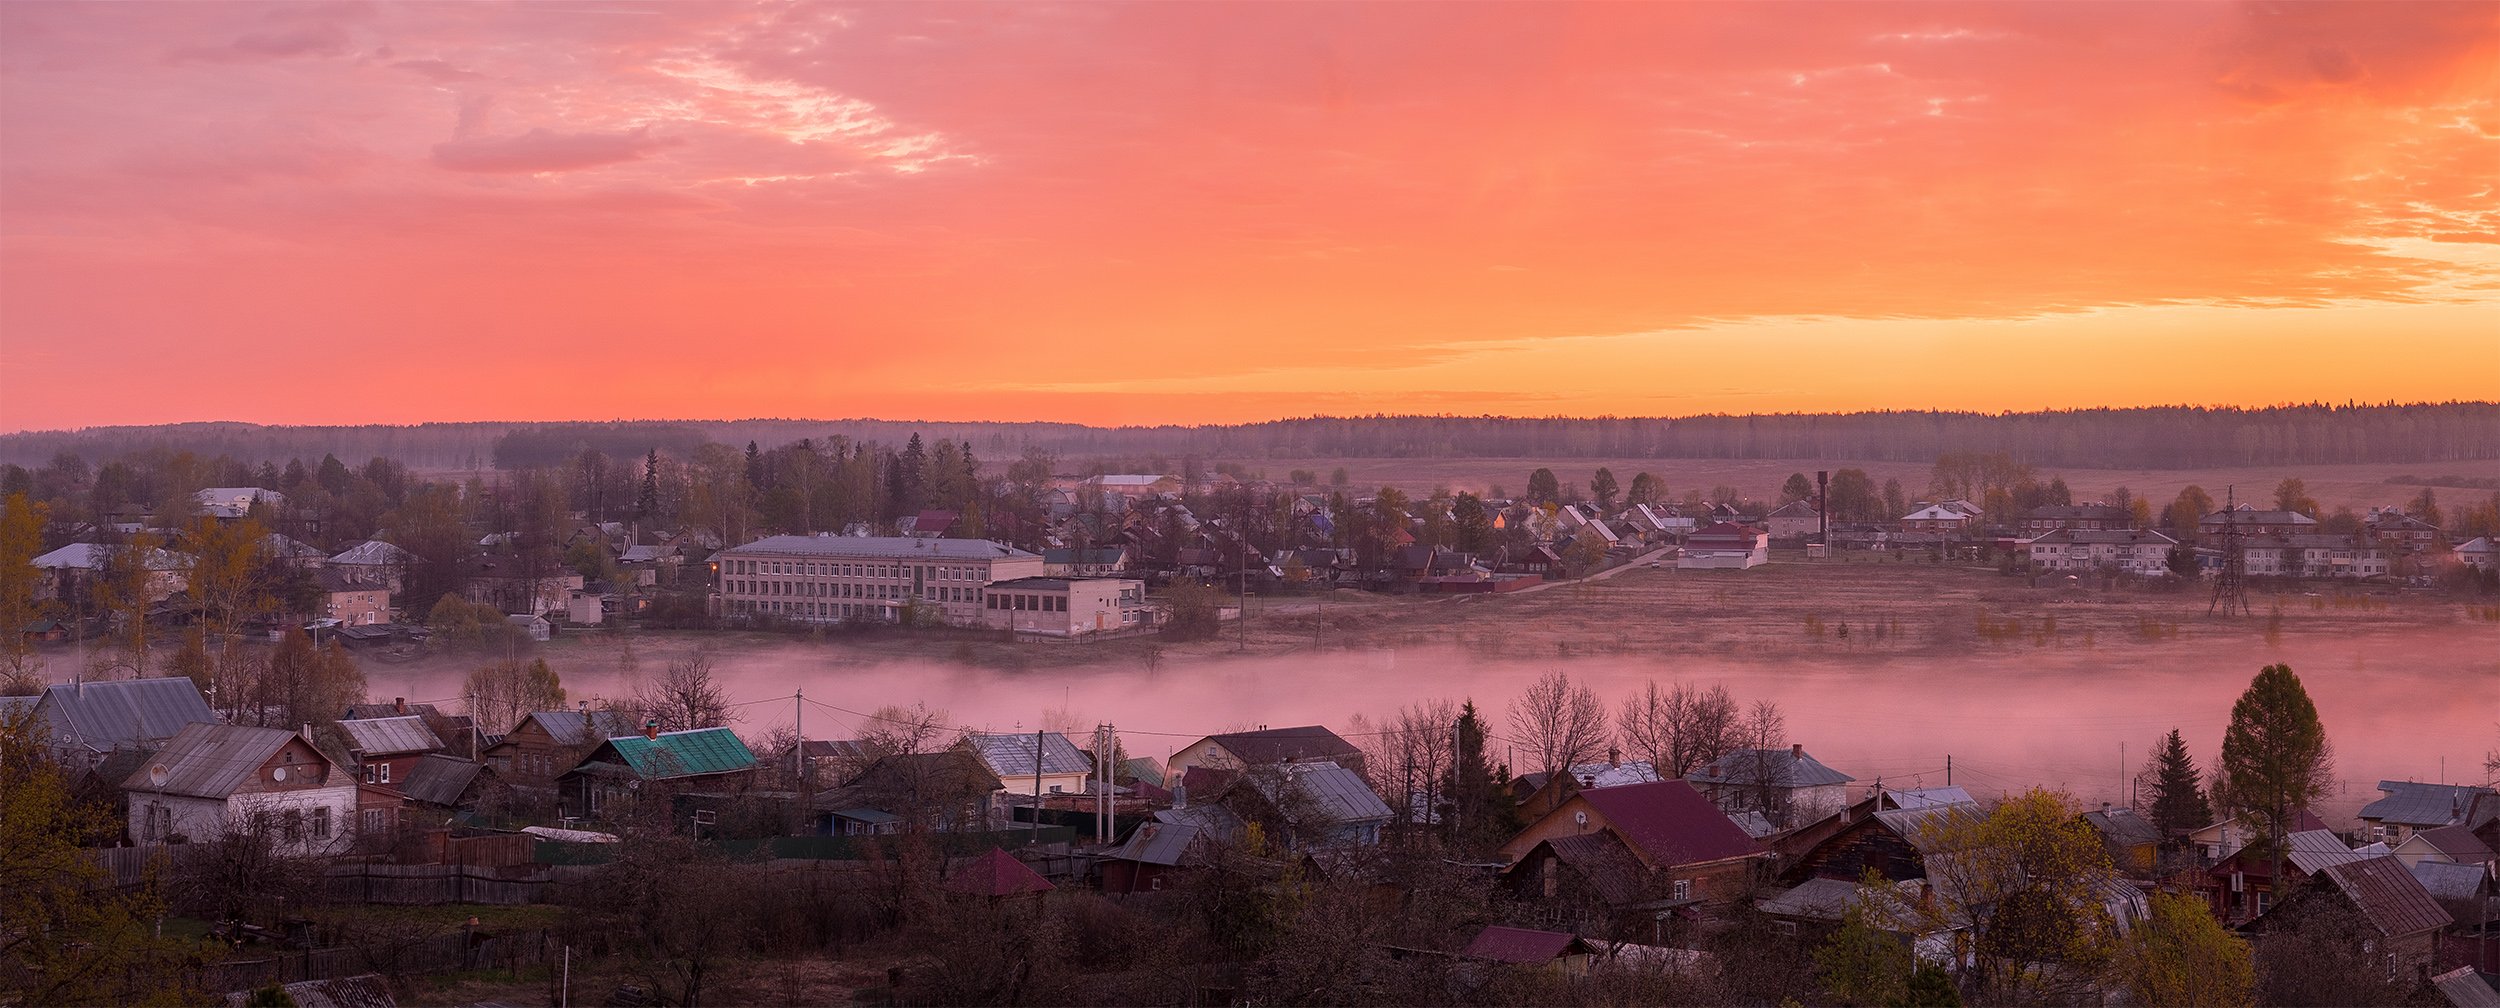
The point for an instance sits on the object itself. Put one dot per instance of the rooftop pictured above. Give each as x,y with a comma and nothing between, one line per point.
212,760
877,548
1011,756
1282,745
132,713
1521,946
1669,823
385,736
691,753
2409,803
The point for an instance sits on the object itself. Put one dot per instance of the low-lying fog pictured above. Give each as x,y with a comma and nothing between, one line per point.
2396,704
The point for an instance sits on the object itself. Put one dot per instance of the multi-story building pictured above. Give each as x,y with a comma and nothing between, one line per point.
2135,552
826,578
1066,607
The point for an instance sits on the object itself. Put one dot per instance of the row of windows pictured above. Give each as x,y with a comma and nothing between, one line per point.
818,589
811,610
937,572
1029,603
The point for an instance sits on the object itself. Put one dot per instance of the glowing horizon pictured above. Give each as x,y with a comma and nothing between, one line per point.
1218,213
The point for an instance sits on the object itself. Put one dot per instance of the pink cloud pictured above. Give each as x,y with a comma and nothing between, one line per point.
544,150
315,39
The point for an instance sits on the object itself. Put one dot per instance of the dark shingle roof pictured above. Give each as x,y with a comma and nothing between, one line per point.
2389,896
2409,803
1282,745
1669,823
2458,843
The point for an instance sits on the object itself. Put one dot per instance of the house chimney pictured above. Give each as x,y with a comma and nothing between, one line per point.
651,729
1796,750
399,705
1614,756
1180,795
308,733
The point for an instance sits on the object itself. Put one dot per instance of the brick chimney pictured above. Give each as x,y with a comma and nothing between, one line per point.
1796,750
399,705
651,729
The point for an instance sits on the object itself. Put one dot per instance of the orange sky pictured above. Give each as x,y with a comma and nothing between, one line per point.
1199,212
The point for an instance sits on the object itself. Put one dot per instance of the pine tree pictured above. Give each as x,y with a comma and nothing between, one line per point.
2178,801
647,503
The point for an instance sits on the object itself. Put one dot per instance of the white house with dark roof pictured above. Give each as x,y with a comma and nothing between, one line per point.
2479,553
212,777
827,578
1787,786
1796,519
374,560
1062,767
2412,806
68,574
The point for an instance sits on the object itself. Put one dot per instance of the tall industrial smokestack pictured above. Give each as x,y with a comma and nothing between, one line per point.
1823,506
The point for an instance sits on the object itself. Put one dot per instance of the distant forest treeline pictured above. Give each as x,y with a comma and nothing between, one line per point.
2165,437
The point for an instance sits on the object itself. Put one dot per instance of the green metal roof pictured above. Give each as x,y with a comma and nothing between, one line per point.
684,753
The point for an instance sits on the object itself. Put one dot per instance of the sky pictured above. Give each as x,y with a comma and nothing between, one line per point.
1208,212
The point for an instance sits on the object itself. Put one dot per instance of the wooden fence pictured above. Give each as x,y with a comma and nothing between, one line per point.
425,885
457,950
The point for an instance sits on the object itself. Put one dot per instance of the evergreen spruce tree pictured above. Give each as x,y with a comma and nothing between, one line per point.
2178,801
647,503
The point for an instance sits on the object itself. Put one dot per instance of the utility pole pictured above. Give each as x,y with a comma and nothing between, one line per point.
1037,786
798,749
474,727
1948,769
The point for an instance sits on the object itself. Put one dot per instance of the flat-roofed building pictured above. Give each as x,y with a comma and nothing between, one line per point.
1066,607
829,578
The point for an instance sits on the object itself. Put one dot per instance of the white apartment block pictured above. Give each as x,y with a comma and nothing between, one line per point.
827,578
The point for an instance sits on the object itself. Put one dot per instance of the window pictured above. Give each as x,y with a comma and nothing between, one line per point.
321,822
292,826
1683,889
160,822
381,773
375,820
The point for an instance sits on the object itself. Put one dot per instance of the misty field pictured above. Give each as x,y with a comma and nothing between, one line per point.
2357,486
1884,668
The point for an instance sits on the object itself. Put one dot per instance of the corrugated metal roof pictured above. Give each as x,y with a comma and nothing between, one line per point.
2311,850
391,736
1011,756
387,736
2464,988
128,713
1338,793
1814,899
91,556
2388,895
373,553
1910,798
573,727
2449,880
2414,804
2457,842
1158,843
877,548
1784,767
1279,745
690,753
1920,826
437,779
212,760
1210,820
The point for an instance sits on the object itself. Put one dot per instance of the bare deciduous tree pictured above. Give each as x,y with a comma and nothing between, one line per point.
1680,728
506,691
686,696
1762,764
1562,724
1409,756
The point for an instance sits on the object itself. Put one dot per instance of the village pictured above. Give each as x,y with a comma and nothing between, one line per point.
1677,844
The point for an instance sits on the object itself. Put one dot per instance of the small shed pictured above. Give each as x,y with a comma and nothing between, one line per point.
998,875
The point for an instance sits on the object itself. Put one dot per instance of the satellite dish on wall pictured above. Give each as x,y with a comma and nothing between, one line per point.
157,775
1580,818
277,773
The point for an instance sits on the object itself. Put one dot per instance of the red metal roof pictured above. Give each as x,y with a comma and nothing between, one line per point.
1669,823
997,873
1519,945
